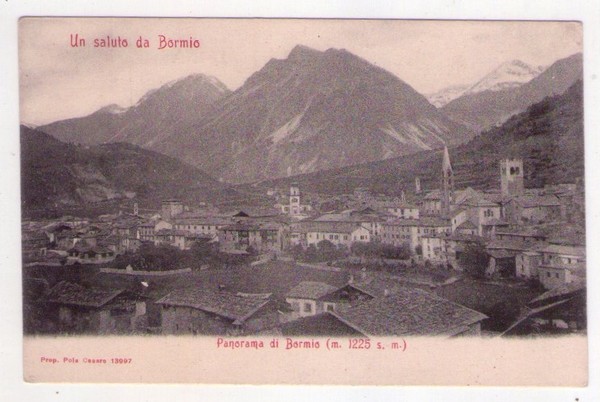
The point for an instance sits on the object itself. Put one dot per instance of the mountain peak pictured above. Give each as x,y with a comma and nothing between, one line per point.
302,52
510,74
113,108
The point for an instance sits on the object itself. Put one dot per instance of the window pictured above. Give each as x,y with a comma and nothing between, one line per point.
328,307
556,275
307,308
548,274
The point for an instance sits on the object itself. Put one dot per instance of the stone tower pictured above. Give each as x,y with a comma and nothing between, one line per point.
294,200
136,209
417,185
447,183
512,177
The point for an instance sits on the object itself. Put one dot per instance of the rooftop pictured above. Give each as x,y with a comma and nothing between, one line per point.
310,290
73,294
409,311
234,307
564,250
530,201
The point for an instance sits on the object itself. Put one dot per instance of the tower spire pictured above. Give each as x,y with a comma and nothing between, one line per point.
446,166
447,183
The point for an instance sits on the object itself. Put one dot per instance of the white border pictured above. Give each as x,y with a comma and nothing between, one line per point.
12,386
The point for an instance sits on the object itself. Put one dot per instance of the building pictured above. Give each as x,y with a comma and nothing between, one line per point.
295,208
86,254
146,231
434,247
456,244
527,263
511,177
338,233
310,298
400,210
203,225
261,237
375,307
77,309
561,310
201,311
432,203
532,208
409,231
367,218
561,265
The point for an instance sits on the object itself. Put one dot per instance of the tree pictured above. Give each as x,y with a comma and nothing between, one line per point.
475,260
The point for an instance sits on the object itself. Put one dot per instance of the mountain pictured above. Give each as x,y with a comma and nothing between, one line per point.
444,96
548,136
158,114
482,110
57,175
511,74
312,111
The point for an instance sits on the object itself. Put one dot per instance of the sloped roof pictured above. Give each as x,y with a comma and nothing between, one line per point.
530,201
408,312
502,253
530,312
204,220
467,225
433,195
564,250
564,290
224,304
466,238
73,294
310,290
402,222
495,222
328,227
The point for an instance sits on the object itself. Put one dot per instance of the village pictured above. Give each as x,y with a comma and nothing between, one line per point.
447,261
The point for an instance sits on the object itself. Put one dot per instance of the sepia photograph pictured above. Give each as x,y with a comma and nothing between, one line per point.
282,185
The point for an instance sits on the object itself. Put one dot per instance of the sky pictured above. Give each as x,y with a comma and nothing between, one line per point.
58,81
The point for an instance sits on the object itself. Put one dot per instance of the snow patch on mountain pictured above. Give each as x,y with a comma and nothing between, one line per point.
288,128
444,96
511,74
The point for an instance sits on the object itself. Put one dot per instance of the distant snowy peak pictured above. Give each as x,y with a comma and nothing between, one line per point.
511,74
444,96
112,109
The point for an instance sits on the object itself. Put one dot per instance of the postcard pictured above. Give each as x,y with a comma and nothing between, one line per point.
303,201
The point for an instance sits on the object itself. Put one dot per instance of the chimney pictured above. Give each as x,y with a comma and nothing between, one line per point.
351,280
386,292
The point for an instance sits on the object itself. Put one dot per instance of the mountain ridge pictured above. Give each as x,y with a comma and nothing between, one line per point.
310,111
56,176
483,110
548,135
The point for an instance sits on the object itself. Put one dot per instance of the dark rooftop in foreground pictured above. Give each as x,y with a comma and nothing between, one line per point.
409,312
77,295
224,304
